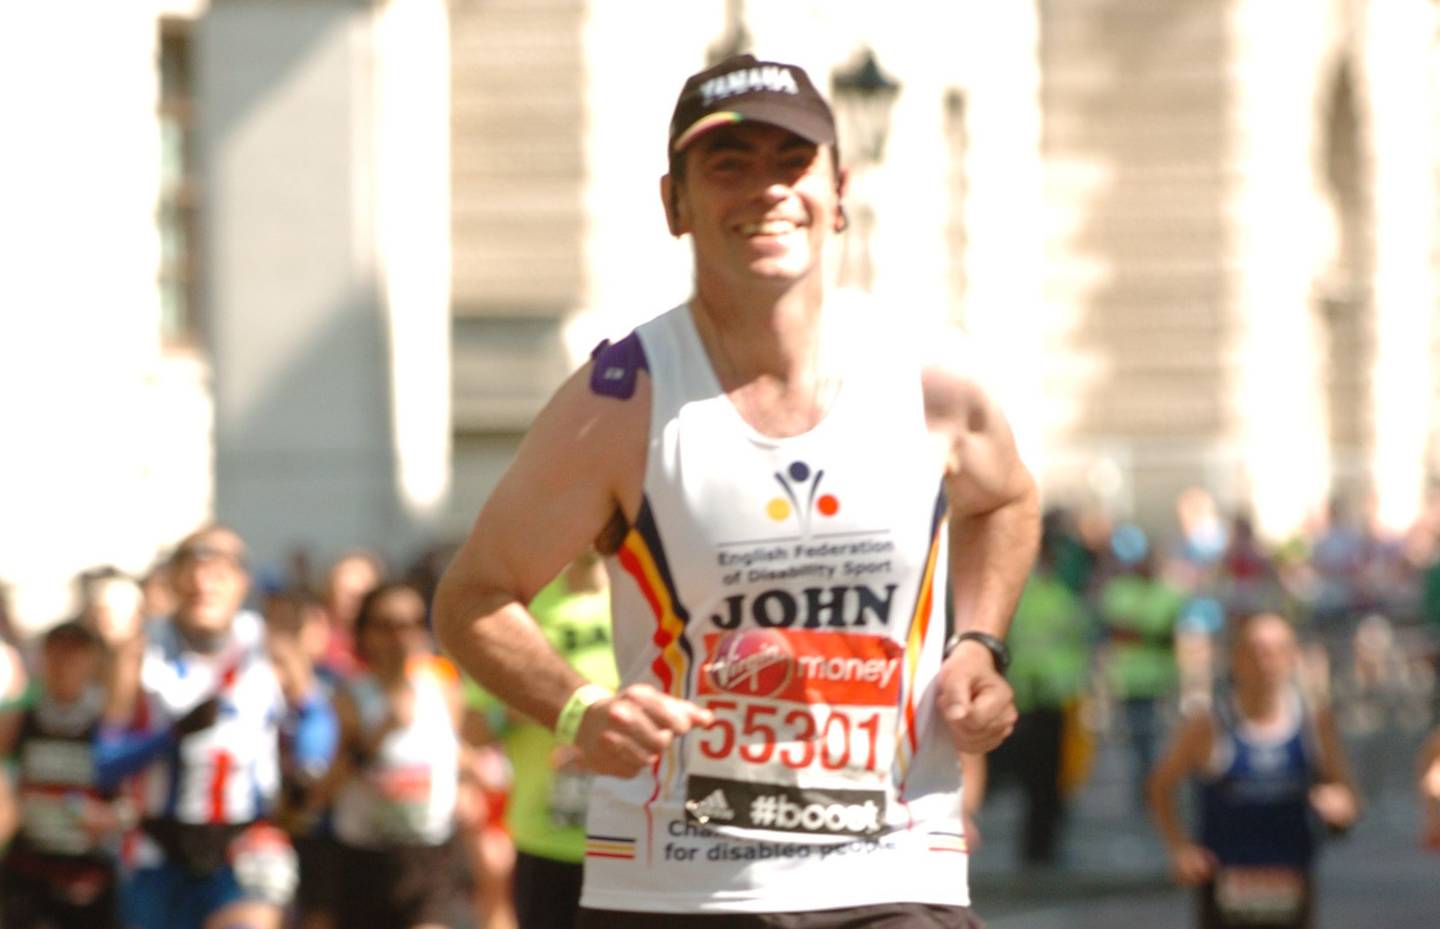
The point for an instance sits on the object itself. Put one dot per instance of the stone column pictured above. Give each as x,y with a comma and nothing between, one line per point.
1276,397
1398,83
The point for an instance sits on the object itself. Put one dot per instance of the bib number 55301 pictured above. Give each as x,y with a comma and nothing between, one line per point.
800,738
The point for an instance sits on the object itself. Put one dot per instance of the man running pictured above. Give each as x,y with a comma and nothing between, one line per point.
781,480
197,719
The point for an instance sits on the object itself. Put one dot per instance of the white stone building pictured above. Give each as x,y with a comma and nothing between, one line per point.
310,267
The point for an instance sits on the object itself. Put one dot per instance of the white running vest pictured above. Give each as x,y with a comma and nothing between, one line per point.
796,587
230,772
406,794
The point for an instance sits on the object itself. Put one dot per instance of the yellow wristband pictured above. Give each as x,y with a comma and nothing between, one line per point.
567,724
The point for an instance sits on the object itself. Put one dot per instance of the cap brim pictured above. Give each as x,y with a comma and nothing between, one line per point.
811,126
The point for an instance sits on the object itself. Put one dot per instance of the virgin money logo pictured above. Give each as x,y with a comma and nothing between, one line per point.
752,662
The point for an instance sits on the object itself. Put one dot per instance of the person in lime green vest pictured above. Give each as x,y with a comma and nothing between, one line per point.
545,814
1139,612
1050,639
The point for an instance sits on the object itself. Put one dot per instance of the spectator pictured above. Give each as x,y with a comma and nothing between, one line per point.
59,870
1139,612
1050,638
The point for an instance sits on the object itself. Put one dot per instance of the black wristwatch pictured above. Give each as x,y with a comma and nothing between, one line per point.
998,651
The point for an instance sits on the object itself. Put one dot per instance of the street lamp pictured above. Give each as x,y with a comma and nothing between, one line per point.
864,97
736,38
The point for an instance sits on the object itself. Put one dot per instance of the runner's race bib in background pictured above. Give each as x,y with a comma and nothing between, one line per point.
402,801
1260,896
265,864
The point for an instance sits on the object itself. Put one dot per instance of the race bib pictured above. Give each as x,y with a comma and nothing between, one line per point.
402,801
54,822
265,864
804,732
1260,896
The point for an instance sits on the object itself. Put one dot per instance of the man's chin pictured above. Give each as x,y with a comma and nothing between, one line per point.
780,273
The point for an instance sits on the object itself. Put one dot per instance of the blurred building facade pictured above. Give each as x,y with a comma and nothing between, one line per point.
311,267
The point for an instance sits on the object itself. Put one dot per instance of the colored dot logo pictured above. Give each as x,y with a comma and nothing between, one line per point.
797,481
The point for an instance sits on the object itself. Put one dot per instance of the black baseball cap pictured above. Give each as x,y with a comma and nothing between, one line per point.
741,88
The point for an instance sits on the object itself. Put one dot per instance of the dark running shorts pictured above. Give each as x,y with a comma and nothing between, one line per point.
546,892
879,916
319,887
31,902
402,886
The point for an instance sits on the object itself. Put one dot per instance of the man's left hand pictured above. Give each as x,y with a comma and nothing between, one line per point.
976,702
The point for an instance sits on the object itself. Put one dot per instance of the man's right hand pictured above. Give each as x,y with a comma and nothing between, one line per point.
624,734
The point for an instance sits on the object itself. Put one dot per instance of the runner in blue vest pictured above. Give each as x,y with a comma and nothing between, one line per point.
1270,773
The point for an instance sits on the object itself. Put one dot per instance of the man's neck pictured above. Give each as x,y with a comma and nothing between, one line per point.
760,331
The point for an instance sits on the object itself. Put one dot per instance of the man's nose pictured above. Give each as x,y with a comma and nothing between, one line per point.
775,189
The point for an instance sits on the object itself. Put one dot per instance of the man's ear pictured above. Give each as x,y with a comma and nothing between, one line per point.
842,180
670,200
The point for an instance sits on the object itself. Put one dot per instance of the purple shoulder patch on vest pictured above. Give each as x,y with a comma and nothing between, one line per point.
617,365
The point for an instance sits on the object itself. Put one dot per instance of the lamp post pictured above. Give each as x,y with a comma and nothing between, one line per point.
864,96
736,38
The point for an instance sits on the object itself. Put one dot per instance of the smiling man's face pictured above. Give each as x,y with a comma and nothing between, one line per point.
758,201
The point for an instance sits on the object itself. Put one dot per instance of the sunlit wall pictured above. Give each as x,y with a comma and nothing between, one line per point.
106,455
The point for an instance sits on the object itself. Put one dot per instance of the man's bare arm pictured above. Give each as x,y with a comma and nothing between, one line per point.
557,495
1334,797
581,464
1189,863
994,533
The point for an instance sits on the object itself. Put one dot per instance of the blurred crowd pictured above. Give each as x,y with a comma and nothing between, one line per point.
285,744
1124,632
217,743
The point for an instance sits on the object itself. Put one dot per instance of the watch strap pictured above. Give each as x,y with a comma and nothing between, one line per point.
998,652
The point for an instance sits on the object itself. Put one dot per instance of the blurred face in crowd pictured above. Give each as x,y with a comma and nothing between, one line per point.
393,631
69,665
352,577
210,582
1266,654
301,620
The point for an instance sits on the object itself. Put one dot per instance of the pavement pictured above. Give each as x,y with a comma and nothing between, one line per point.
1114,872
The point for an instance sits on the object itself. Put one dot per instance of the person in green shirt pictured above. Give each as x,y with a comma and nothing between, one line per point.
545,814
1049,641
1139,612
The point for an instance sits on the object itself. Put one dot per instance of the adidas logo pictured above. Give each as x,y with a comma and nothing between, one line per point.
714,806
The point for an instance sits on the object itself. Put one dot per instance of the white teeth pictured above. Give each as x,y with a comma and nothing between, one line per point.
770,227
